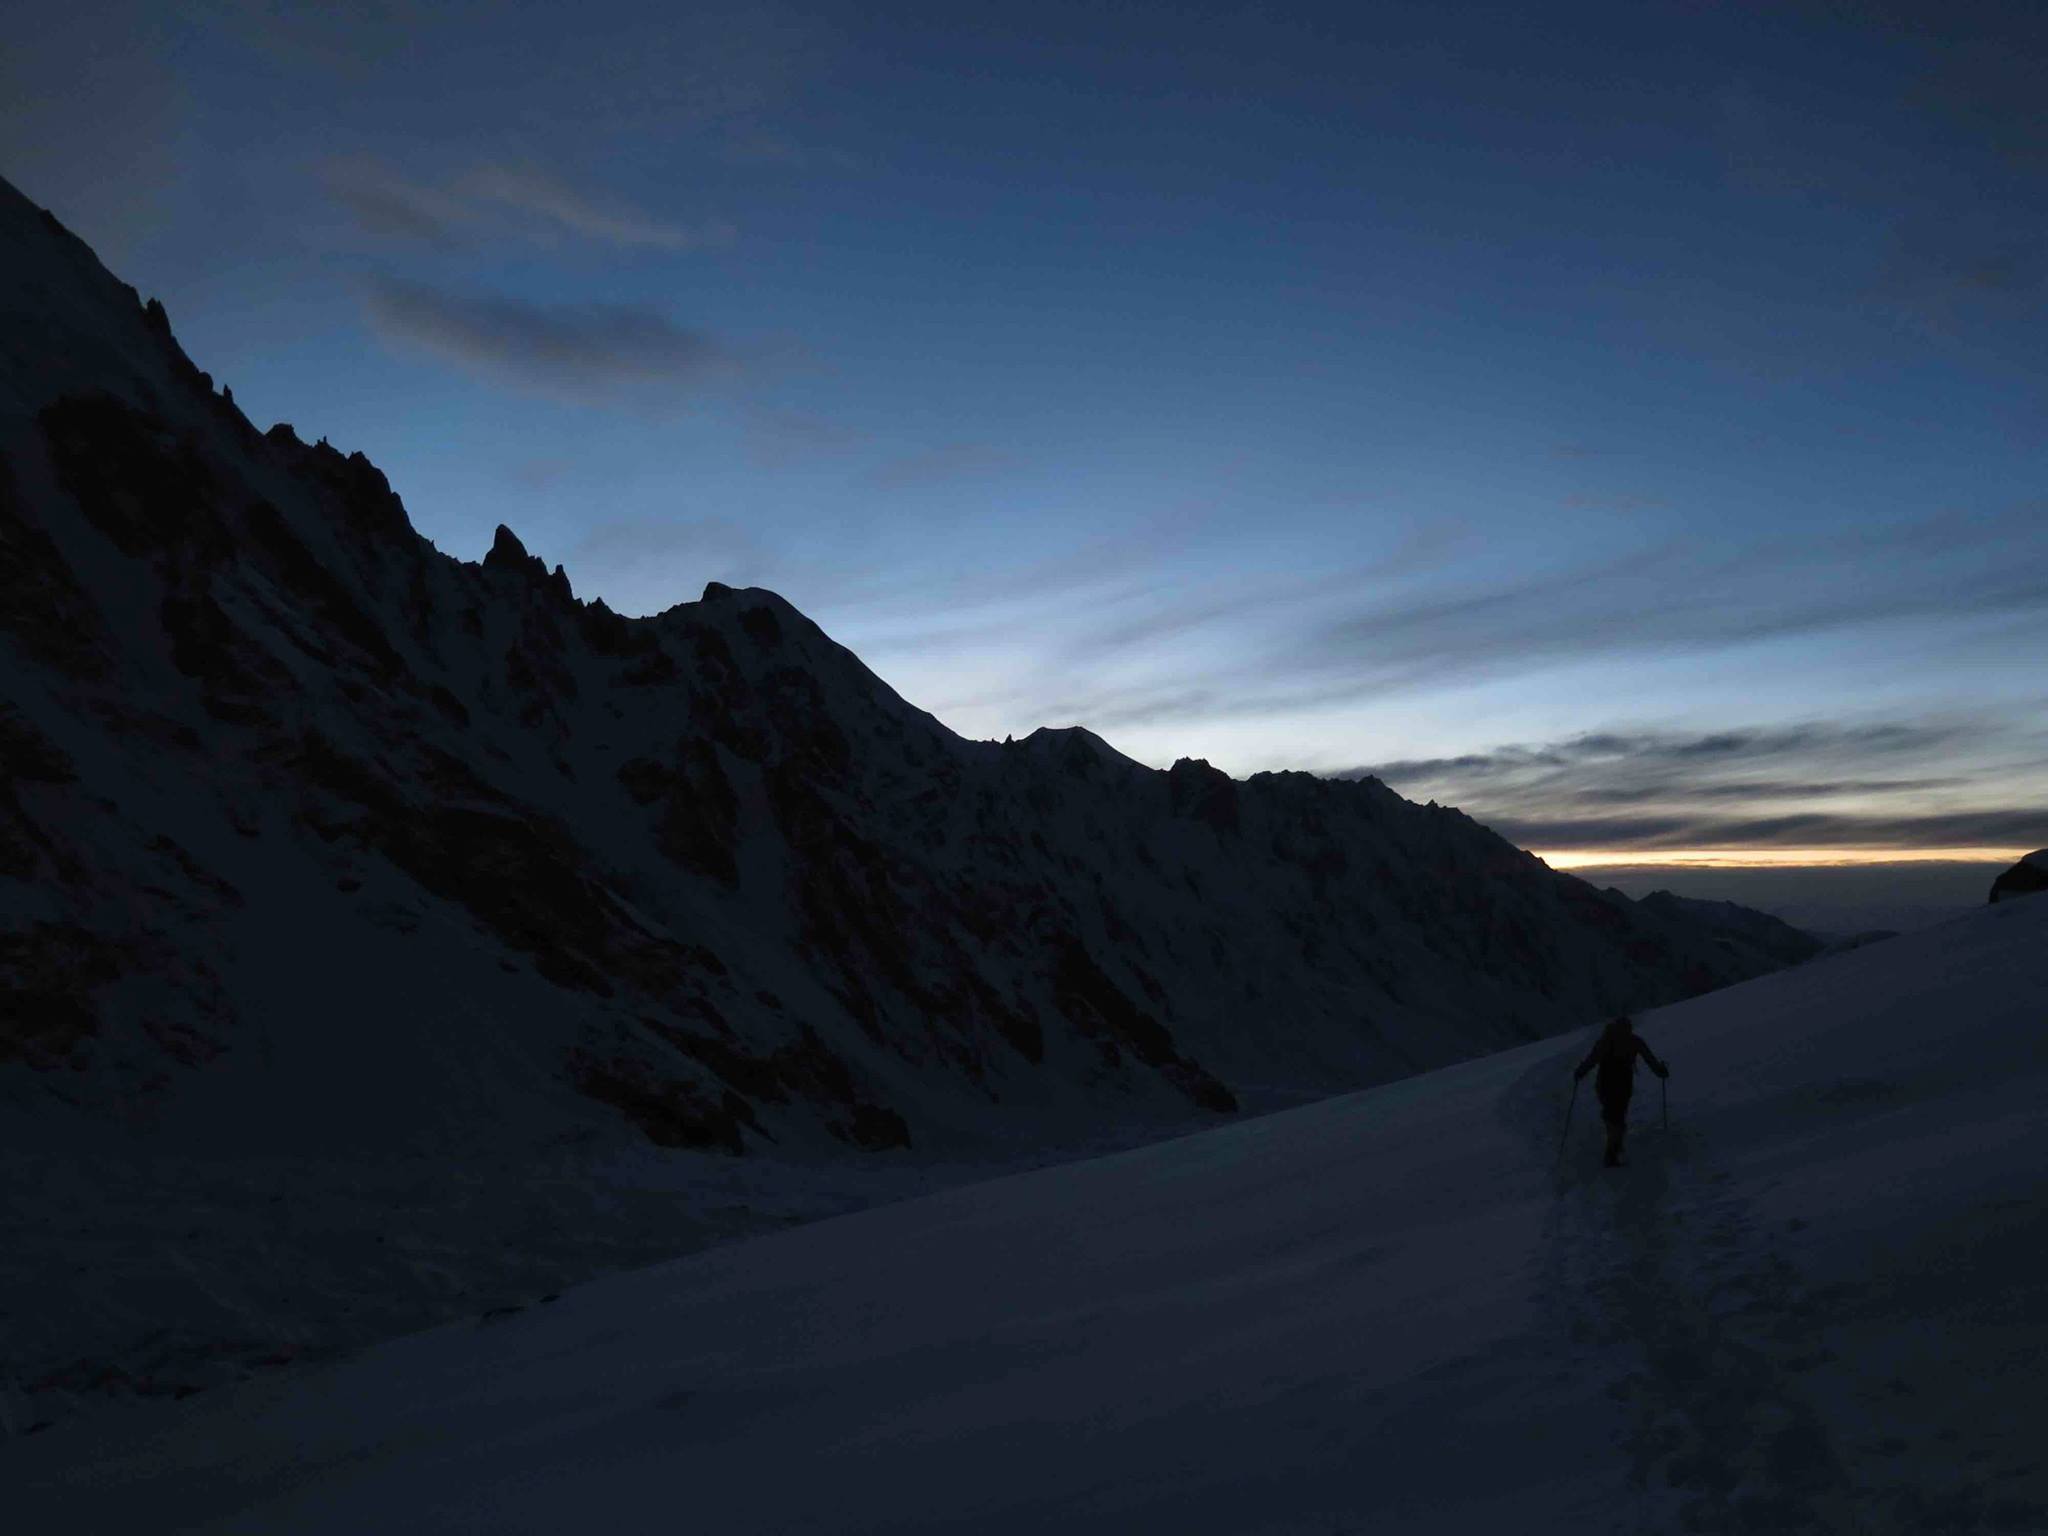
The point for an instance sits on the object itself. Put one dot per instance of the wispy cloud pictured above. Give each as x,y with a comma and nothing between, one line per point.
1116,599
586,352
552,203
1890,784
1270,666
2008,827
505,201
1686,596
1417,621
1653,758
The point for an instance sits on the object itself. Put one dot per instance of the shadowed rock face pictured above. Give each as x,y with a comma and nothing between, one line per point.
2025,878
281,775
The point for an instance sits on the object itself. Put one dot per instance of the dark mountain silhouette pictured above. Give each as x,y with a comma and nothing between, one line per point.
2026,877
1739,929
233,652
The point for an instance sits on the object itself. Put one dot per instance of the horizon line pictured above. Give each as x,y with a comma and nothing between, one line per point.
1769,858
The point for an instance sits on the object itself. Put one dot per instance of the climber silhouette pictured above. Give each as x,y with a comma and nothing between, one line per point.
1615,1054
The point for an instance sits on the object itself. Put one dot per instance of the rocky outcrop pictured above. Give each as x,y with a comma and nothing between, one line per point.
2026,878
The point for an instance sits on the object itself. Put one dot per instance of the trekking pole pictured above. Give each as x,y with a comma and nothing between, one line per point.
1570,1104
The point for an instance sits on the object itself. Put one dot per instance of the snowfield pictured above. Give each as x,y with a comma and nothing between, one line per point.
1814,1304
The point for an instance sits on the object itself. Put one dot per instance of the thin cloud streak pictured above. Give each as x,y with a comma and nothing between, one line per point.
1414,625
1660,756
591,353
2010,827
552,202
1793,786
504,201
1119,614
1678,598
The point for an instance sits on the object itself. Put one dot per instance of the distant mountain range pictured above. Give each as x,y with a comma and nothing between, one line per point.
316,841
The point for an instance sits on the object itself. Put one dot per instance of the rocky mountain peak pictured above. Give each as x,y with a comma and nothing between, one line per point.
2025,878
506,552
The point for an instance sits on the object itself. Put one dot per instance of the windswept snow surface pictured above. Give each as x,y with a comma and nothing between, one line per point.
1815,1303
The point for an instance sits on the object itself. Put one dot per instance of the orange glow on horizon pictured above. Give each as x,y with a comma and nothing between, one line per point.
1770,858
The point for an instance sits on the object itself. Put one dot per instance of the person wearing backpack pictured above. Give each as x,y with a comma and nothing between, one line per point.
1615,1053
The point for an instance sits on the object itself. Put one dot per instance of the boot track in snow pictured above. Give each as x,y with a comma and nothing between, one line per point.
1660,1277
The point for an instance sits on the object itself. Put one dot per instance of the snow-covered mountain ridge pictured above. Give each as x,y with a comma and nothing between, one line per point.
1814,1303
319,845
739,868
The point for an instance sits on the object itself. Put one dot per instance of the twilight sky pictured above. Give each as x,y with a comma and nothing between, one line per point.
1628,422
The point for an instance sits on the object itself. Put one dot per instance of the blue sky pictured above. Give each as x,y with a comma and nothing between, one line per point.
1628,422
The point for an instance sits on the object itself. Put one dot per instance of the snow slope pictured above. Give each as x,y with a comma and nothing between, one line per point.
1815,1304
